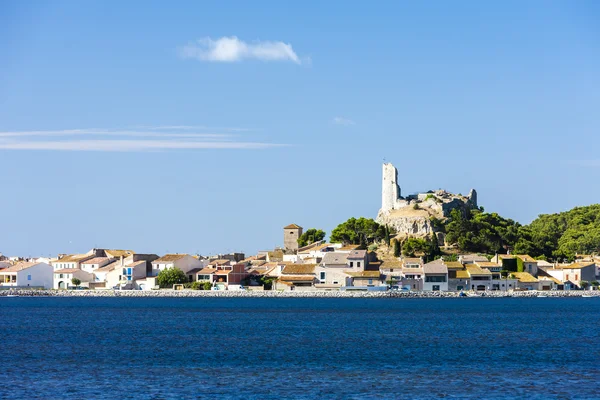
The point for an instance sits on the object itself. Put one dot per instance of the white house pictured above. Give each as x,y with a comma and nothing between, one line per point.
72,261
63,277
93,264
119,275
27,274
436,277
184,262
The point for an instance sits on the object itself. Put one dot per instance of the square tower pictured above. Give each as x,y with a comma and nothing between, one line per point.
291,234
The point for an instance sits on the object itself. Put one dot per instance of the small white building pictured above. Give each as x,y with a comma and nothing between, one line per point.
93,264
63,278
436,277
27,274
184,262
72,261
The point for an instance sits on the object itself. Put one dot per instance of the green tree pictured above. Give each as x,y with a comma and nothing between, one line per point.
76,282
311,236
396,247
584,284
171,276
361,231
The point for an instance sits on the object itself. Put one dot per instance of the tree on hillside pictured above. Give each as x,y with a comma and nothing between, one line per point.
311,236
481,232
171,276
396,247
428,247
361,231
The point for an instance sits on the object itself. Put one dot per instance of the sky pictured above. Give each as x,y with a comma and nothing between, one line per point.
205,127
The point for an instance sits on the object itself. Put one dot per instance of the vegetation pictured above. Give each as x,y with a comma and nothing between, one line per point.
480,232
76,282
396,247
427,247
562,235
552,236
170,276
311,236
361,231
584,284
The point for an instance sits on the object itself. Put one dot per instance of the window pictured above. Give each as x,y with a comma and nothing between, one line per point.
351,264
358,264
129,271
370,281
60,276
28,277
322,275
391,269
335,282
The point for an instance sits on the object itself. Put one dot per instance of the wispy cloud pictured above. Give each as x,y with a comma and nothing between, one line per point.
232,49
122,140
343,121
129,145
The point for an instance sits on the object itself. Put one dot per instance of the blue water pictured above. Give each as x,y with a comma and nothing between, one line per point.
161,348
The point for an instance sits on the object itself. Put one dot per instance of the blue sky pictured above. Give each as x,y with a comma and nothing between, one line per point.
208,126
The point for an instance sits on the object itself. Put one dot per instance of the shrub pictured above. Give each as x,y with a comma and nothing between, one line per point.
416,206
197,285
206,286
171,276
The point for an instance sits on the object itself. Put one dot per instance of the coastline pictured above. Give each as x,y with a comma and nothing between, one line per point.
288,294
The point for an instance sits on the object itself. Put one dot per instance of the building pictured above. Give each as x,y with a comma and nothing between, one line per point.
71,261
331,272
94,263
118,275
63,278
481,279
291,234
365,280
296,277
184,262
529,264
579,272
526,281
357,260
27,274
435,277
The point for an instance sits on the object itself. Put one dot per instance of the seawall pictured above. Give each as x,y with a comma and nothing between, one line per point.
243,293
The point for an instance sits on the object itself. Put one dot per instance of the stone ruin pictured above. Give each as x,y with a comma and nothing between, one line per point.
411,215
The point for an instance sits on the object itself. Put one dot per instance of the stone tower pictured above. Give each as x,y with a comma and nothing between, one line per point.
390,191
291,234
473,198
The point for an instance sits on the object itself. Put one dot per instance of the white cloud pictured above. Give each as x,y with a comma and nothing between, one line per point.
129,145
107,132
343,121
232,49
130,140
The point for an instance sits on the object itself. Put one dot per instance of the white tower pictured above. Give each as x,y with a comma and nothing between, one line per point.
390,191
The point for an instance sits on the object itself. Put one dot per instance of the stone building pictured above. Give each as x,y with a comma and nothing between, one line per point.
291,234
411,215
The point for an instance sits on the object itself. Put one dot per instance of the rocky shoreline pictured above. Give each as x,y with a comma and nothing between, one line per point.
290,294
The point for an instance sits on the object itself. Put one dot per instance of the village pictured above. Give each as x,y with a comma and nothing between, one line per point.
316,265
319,266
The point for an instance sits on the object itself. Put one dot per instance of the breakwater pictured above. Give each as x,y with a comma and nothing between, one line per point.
300,294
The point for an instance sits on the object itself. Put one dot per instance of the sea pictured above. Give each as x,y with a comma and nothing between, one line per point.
301,348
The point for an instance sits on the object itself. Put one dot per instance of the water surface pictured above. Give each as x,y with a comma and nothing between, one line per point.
171,348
